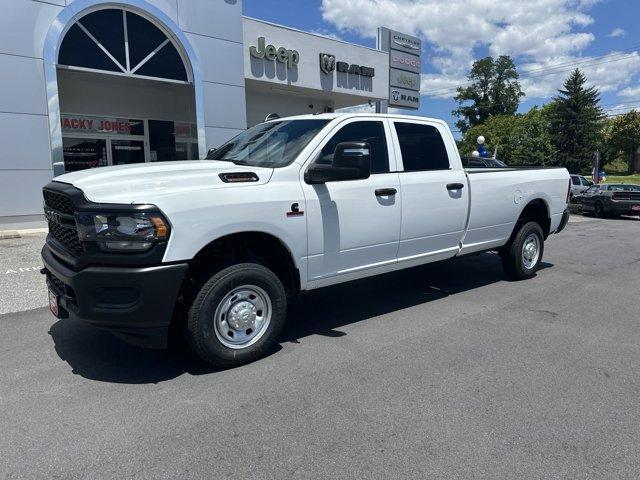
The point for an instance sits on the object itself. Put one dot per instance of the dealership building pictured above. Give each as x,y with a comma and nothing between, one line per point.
90,83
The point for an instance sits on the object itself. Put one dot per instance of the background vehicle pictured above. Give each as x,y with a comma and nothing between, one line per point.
471,162
287,206
579,184
610,199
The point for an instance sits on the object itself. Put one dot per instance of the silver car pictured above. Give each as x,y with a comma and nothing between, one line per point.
579,184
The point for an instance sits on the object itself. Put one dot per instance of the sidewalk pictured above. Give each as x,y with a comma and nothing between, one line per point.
23,229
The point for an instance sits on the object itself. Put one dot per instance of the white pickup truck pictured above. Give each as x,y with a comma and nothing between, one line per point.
217,246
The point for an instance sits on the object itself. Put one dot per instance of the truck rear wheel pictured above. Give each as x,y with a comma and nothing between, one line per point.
237,315
522,256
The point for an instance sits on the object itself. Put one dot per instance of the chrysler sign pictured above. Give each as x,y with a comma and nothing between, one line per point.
405,43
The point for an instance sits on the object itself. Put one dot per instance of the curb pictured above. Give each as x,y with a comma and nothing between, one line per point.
32,232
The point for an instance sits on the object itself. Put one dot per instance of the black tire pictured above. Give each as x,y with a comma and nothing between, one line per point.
512,261
598,209
201,324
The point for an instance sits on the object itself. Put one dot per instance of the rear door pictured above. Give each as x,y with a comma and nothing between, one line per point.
353,225
434,192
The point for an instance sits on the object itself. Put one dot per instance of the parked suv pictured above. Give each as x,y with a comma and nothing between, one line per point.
579,184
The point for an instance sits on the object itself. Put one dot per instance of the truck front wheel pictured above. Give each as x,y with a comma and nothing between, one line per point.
237,315
522,256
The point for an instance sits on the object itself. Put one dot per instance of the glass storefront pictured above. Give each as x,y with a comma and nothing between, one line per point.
91,141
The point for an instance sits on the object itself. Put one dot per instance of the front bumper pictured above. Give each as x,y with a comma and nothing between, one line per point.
135,303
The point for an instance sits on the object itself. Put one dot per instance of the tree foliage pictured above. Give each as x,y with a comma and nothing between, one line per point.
622,138
494,91
576,123
519,139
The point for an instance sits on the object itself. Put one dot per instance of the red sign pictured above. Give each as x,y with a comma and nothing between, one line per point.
77,123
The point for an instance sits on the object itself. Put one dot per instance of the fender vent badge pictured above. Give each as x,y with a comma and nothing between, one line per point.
239,177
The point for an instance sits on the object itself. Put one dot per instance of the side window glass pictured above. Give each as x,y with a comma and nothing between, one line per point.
575,180
422,147
366,131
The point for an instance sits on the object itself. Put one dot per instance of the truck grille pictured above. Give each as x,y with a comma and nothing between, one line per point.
62,225
58,202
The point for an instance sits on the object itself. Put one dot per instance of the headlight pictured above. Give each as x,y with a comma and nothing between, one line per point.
123,232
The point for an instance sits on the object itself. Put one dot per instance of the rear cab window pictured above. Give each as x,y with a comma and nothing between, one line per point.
421,146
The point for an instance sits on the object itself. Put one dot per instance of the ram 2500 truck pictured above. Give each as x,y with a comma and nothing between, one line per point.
287,206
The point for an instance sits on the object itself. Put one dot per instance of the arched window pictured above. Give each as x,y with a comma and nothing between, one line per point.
120,41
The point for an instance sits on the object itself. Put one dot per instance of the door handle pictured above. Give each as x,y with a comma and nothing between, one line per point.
455,186
385,192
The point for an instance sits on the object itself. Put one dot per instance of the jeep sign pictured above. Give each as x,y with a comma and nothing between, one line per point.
402,79
289,57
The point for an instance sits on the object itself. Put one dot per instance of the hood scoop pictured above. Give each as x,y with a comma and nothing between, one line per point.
239,177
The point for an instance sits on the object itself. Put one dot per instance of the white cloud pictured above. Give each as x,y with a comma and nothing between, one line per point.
621,109
538,34
617,32
608,73
630,92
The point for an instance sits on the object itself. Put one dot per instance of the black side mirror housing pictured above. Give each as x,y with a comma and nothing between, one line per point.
351,161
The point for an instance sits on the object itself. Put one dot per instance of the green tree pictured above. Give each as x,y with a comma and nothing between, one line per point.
518,139
622,138
494,90
576,122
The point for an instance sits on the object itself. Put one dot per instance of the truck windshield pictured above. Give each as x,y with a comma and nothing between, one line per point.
271,144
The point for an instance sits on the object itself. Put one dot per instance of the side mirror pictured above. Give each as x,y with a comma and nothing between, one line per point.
210,153
351,161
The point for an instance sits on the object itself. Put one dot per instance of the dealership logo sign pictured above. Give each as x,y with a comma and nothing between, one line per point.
269,52
406,42
327,63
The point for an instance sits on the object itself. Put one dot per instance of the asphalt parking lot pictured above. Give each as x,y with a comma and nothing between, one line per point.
444,371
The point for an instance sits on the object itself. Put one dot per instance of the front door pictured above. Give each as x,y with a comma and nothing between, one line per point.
351,226
434,195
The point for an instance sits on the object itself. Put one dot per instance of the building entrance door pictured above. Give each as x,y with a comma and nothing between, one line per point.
124,151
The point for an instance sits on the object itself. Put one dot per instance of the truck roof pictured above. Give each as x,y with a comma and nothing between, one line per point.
331,116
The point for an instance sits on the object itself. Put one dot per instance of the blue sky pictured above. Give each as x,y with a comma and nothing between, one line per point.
546,37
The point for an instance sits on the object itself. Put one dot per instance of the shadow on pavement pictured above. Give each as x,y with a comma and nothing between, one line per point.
97,355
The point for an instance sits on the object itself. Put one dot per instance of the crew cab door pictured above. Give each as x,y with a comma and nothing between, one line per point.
353,225
434,191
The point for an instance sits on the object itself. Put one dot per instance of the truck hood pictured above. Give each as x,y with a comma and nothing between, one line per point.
138,183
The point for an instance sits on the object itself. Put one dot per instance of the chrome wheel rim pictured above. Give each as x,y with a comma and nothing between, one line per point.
530,251
243,316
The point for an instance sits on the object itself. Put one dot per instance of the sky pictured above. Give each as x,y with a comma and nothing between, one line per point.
546,38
